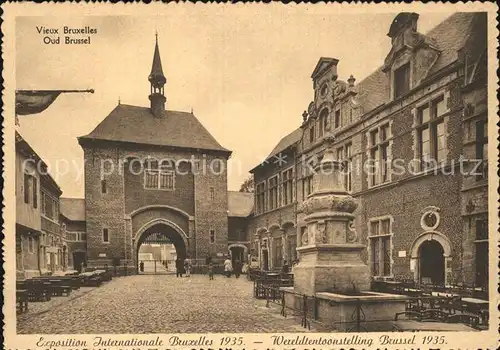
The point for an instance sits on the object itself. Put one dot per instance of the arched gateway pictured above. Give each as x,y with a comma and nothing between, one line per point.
161,225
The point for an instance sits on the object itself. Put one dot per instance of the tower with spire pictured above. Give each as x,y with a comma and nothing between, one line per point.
157,80
177,202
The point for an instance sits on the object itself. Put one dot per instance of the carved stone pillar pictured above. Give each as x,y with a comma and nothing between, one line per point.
330,255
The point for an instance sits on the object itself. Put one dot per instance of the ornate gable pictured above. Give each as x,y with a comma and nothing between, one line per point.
323,65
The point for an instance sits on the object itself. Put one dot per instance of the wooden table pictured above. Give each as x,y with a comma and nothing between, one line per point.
444,294
475,301
409,325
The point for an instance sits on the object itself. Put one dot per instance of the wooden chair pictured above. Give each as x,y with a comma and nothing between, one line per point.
38,290
434,315
413,305
408,315
22,299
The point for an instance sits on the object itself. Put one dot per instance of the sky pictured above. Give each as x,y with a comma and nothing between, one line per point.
244,73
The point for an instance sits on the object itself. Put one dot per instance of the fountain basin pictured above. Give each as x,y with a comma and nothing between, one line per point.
339,309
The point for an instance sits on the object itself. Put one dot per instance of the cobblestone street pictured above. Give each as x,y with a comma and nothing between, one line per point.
158,304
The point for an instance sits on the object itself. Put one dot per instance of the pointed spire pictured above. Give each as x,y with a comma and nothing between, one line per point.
156,77
157,80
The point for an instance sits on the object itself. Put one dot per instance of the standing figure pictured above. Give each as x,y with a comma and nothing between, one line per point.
210,271
237,268
187,266
228,267
179,266
141,266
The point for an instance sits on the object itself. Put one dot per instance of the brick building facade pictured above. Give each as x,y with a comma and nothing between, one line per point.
152,170
403,133
40,244
73,226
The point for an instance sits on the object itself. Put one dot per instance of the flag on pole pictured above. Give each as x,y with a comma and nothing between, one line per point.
36,101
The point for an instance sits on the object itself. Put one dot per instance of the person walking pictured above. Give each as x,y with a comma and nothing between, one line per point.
228,267
210,271
179,266
237,268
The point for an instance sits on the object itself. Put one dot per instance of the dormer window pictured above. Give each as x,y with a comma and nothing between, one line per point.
401,80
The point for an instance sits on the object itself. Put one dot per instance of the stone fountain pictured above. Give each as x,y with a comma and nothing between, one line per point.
330,265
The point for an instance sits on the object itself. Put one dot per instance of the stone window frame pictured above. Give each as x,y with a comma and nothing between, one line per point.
160,170
480,143
480,241
56,206
391,245
310,185
30,189
312,133
211,236
260,191
107,233
389,141
104,186
347,160
394,68
323,121
415,126
291,182
274,187
337,108
79,236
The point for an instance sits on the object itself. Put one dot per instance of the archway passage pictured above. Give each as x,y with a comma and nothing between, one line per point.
79,259
432,264
157,249
237,253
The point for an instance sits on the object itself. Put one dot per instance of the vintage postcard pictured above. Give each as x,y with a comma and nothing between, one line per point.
250,176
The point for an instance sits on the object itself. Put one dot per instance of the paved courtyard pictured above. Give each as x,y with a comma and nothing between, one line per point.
158,304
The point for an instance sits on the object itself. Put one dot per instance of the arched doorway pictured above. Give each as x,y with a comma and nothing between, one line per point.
159,243
265,259
431,258
79,259
238,252
432,264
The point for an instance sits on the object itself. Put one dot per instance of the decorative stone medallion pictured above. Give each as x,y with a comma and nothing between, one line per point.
430,219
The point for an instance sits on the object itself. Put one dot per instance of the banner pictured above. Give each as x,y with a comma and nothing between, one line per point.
36,101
